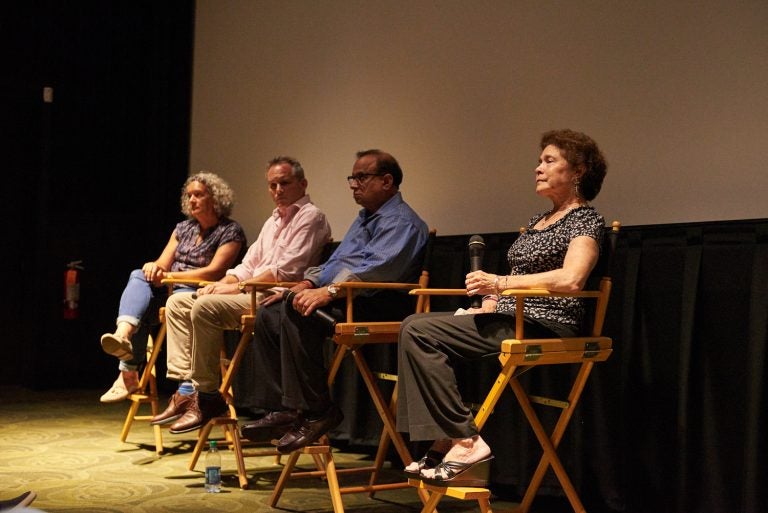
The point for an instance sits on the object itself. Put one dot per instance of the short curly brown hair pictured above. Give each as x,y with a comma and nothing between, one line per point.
580,150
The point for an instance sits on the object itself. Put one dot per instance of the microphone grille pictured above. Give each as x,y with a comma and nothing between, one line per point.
476,240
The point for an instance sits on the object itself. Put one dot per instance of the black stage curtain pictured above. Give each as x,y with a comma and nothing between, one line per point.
675,420
95,175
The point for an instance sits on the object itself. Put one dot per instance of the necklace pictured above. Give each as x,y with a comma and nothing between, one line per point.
552,215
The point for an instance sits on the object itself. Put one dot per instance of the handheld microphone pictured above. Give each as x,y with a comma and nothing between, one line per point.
476,251
288,296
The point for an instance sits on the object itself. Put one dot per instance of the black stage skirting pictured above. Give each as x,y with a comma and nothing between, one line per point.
674,422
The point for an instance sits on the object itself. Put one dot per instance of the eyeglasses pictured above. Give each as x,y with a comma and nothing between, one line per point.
361,178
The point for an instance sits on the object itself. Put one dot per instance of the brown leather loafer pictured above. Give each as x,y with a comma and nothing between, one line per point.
177,407
203,409
309,431
272,425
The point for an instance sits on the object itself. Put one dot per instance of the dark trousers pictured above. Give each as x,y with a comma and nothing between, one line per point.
429,404
290,366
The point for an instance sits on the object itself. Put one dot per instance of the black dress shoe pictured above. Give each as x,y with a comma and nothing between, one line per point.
272,425
206,407
454,473
177,407
309,430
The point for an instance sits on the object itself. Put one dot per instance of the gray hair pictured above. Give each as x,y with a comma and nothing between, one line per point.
296,169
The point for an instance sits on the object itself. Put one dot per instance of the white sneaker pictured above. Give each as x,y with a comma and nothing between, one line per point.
117,346
118,392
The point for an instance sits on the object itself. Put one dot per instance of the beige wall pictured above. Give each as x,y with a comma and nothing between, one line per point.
676,94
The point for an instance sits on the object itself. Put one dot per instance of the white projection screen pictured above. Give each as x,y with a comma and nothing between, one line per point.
675,93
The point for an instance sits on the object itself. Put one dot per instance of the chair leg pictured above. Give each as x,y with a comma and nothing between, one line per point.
319,462
485,505
326,467
202,438
384,442
132,410
382,407
158,440
333,482
148,380
234,434
431,505
158,430
338,357
549,443
283,479
378,462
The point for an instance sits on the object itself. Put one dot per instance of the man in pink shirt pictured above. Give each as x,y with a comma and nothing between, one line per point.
291,240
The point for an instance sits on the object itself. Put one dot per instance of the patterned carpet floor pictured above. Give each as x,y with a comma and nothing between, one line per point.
65,446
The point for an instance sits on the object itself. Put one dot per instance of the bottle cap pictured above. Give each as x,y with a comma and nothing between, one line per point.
213,443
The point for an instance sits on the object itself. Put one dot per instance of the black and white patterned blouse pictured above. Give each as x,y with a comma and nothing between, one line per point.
537,251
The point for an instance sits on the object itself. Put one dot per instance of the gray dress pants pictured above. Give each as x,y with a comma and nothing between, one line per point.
429,403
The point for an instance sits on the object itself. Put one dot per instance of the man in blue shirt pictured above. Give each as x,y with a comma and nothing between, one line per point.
385,243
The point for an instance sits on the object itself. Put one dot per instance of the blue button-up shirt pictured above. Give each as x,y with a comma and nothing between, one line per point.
385,246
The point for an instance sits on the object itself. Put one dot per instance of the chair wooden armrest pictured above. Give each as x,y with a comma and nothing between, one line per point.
438,292
548,293
262,285
520,294
350,286
376,285
507,292
184,281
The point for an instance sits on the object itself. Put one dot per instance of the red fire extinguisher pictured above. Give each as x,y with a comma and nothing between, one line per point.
72,289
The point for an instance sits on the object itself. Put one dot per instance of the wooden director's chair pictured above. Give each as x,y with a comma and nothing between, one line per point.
147,391
521,354
352,336
229,367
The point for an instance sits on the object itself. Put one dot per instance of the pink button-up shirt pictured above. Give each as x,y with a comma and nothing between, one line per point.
287,245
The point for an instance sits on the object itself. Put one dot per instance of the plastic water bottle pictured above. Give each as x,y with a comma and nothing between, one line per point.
213,469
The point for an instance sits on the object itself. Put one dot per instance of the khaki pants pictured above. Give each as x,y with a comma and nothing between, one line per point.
195,335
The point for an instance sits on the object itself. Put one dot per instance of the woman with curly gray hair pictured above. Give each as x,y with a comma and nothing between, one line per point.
202,247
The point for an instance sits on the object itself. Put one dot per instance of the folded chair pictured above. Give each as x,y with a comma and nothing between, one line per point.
521,354
351,336
147,391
